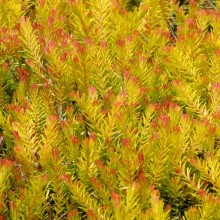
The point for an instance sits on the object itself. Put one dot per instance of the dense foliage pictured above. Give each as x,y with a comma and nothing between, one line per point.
110,109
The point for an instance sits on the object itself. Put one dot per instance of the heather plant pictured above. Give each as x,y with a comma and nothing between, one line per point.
109,109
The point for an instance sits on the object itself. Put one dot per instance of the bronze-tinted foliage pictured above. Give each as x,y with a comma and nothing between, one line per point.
109,109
